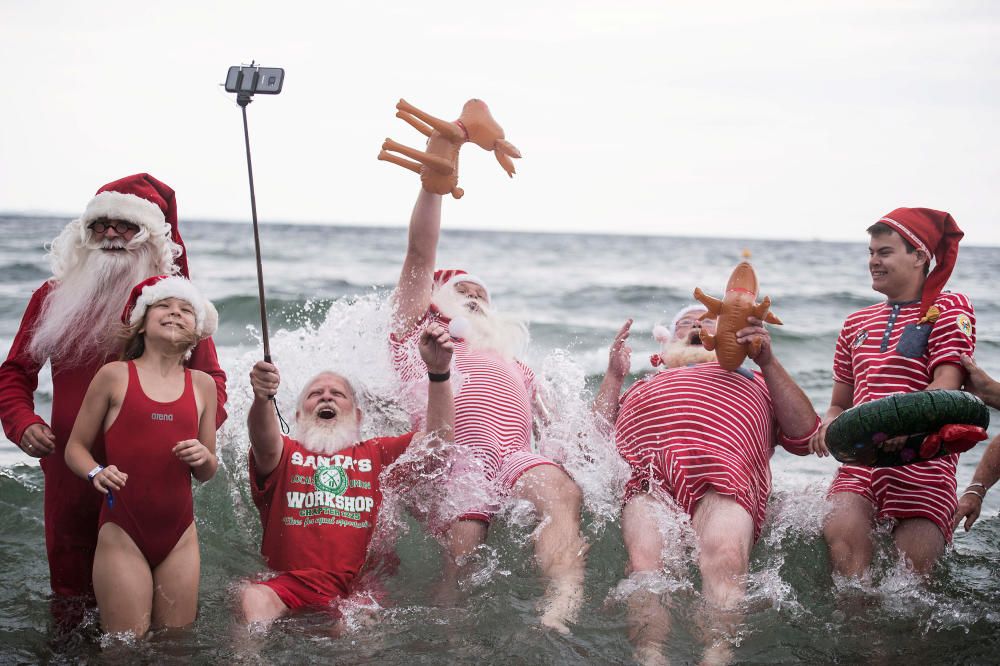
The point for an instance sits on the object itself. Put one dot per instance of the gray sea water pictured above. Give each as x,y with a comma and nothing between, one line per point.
326,289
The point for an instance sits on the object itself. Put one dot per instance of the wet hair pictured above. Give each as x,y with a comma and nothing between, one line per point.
883,229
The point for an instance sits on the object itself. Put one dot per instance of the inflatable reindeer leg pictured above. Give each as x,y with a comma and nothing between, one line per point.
714,306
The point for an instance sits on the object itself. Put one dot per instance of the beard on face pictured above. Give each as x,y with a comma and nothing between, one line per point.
488,330
327,436
680,353
80,320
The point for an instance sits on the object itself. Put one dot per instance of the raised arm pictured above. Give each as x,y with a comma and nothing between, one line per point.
619,362
413,292
436,350
792,410
262,421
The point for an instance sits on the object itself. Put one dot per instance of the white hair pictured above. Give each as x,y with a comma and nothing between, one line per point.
80,321
486,328
75,241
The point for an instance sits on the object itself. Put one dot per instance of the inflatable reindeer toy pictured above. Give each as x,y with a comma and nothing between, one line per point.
739,302
438,164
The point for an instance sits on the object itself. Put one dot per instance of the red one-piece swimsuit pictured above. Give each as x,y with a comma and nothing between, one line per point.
155,506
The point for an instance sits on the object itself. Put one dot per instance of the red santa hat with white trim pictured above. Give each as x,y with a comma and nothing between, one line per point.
936,234
144,201
452,276
155,289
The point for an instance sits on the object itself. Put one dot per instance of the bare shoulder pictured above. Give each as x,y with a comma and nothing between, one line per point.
114,372
203,382
111,379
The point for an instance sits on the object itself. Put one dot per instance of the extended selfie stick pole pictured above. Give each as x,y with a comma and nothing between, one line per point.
243,99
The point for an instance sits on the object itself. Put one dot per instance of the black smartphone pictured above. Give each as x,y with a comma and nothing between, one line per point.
251,80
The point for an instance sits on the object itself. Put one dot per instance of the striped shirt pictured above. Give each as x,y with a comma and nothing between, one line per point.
699,427
866,355
867,359
492,403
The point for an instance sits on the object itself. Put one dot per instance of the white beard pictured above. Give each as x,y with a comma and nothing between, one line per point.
325,438
487,329
81,317
678,353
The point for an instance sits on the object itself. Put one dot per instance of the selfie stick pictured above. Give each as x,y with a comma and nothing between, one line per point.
243,99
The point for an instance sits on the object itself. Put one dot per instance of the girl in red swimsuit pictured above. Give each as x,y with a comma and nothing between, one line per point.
158,419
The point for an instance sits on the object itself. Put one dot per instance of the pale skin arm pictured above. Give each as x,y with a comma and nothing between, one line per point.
792,409
841,400
987,473
619,361
89,421
262,421
436,350
980,384
413,292
199,453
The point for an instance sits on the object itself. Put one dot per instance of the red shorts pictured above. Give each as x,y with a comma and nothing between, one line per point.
504,476
295,591
921,490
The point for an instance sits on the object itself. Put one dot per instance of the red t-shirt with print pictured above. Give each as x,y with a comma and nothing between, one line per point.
319,511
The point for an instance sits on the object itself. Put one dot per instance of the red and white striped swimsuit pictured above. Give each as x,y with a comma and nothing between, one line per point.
866,359
492,408
688,430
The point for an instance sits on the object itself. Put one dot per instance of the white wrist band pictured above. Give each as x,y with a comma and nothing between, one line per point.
94,472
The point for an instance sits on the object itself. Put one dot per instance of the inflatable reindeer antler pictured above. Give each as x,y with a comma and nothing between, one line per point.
438,164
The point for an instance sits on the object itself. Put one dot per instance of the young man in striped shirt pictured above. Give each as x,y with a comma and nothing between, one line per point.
912,341
701,438
494,405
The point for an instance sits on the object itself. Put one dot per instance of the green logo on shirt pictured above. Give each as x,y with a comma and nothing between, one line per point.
331,479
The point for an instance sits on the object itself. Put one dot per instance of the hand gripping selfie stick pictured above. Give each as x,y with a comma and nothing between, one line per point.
245,81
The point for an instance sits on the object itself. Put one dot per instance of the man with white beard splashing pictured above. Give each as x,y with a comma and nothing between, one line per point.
127,233
319,495
700,437
493,415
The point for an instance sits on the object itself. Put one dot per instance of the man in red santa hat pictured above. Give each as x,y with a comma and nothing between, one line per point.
493,413
127,233
912,341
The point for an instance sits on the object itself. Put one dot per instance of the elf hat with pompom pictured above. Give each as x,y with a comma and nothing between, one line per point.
936,234
159,287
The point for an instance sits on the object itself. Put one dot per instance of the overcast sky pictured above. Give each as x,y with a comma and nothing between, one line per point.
760,119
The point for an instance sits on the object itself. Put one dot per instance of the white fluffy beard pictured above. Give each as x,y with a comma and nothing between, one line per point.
327,437
488,330
81,317
680,353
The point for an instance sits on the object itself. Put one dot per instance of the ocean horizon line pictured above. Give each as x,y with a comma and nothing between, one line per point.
402,226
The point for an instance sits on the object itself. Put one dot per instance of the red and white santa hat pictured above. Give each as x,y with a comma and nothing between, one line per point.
936,234
143,201
452,276
159,287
